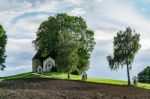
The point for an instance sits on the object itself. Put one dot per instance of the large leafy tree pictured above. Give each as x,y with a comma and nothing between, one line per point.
67,57
126,45
49,31
3,41
84,51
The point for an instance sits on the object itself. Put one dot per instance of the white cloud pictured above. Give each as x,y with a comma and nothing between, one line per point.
25,6
74,2
145,44
128,16
105,17
19,46
14,8
77,12
104,35
19,54
116,14
26,26
21,67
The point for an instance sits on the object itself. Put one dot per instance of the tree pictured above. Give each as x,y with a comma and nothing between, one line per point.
67,57
3,41
49,31
84,51
126,45
144,75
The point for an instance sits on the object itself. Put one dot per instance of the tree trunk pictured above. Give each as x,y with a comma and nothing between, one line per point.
128,73
68,75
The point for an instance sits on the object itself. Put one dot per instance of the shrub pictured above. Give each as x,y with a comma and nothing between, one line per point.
144,76
54,69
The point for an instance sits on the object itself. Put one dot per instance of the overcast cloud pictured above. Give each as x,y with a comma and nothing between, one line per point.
21,18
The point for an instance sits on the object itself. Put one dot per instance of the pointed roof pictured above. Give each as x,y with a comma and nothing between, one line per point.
38,56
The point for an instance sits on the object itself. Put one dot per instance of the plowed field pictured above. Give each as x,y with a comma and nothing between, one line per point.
41,88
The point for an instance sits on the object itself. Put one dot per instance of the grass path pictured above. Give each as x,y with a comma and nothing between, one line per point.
73,77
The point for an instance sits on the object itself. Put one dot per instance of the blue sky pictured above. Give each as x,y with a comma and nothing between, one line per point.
21,18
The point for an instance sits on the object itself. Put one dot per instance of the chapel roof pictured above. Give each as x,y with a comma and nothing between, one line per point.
38,56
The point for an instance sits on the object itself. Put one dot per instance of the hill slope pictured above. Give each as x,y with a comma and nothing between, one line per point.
50,88
73,77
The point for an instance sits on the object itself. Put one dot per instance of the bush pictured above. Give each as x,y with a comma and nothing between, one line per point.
144,76
54,69
76,72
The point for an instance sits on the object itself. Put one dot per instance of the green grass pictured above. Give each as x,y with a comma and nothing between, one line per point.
72,77
107,81
142,85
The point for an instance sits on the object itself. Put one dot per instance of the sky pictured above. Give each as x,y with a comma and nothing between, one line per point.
21,19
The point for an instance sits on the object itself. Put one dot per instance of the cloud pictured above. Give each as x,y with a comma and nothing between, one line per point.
77,12
15,8
19,52
115,15
19,45
104,35
15,70
21,19
27,27
145,44
18,68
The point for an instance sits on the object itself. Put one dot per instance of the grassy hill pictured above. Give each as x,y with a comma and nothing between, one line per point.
73,77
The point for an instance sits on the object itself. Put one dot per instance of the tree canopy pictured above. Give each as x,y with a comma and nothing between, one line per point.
144,75
126,45
67,49
3,41
50,36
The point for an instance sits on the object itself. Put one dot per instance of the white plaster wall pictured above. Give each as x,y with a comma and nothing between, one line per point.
46,62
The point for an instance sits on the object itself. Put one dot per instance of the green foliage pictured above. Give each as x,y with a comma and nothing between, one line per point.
126,45
54,69
67,57
144,76
3,41
50,32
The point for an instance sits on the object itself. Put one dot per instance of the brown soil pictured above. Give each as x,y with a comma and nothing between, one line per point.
67,89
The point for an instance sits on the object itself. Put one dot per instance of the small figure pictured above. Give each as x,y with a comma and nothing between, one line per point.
84,76
135,80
